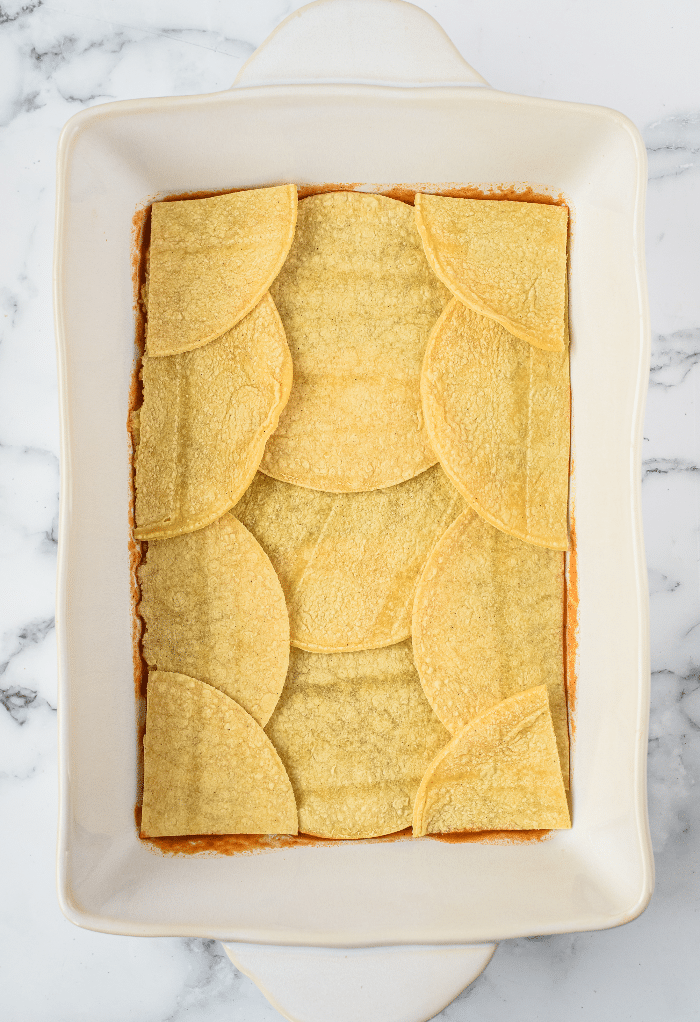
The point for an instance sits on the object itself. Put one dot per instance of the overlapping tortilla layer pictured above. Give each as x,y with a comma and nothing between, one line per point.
356,734
349,562
211,261
500,772
505,260
214,609
488,624
204,422
497,411
208,767
357,299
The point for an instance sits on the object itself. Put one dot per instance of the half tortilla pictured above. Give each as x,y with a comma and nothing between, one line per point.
211,261
500,772
504,260
356,734
214,610
498,414
349,562
208,767
488,623
204,422
358,300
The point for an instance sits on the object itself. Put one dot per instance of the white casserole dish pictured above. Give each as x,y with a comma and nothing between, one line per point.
112,160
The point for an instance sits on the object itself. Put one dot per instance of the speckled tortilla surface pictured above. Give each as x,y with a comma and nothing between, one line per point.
466,729
349,562
356,734
214,609
211,261
488,623
497,411
204,422
208,767
500,772
357,299
505,260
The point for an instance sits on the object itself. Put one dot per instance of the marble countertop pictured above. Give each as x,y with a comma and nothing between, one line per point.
59,57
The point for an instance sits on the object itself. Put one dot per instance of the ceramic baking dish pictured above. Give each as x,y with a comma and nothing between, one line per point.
425,118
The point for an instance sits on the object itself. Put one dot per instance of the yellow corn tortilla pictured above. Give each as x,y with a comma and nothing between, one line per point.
505,260
208,767
349,562
214,610
211,261
357,299
497,411
356,734
500,772
488,622
205,418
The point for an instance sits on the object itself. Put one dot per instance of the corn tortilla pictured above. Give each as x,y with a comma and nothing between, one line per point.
488,623
356,734
204,422
211,261
504,260
208,767
500,772
214,610
357,299
497,411
349,562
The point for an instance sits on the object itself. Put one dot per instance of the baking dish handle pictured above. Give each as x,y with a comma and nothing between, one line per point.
376,984
368,42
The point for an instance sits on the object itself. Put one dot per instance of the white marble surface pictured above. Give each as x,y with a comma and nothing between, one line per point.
639,56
